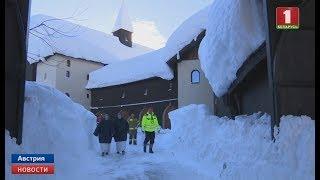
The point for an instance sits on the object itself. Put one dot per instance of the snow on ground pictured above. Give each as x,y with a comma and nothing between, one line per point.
235,30
77,41
200,145
242,149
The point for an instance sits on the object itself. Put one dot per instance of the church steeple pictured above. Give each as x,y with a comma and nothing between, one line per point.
123,27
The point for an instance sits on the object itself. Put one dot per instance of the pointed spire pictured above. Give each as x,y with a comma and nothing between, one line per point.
123,20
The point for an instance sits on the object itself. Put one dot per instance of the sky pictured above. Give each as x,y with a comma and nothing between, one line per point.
153,20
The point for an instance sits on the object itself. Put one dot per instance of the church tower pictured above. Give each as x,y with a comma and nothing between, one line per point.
123,27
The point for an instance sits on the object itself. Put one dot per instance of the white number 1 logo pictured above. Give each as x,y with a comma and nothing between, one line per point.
287,16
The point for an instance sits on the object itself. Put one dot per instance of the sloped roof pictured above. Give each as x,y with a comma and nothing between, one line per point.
123,20
70,39
152,64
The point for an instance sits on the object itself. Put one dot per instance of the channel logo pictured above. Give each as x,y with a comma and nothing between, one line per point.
32,163
287,17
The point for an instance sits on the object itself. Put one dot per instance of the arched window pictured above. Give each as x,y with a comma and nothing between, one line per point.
123,94
68,63
67,73
195,77
170,86
145,92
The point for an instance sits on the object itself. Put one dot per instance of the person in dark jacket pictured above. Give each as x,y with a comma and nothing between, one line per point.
105,131
121,127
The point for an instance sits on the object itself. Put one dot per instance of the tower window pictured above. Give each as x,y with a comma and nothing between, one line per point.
68,63
170,86
123,95
87,76
88,96
195,77
68,74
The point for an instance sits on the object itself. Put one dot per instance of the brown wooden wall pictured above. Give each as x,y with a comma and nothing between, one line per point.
158,90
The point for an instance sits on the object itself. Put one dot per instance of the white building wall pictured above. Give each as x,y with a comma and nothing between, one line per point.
47,72
73,85
188,93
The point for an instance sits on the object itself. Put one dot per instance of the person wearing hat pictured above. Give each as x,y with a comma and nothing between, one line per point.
133,126
149,126
105,131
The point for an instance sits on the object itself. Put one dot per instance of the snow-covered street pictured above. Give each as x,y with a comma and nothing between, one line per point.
199,145
136,164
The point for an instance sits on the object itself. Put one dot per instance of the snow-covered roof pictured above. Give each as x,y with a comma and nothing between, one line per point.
138,68
70,39
235,30
187,31
123,20
152,64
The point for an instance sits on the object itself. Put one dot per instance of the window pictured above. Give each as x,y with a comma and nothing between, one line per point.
195,77
87,76
45,76
88,96
68,74
123,94
145,92
170,86
68,63
68,94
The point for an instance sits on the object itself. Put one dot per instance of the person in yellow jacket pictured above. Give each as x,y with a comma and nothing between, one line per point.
149,125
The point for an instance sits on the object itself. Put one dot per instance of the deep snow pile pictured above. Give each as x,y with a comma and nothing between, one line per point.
52,123
70,39
235,30
242,148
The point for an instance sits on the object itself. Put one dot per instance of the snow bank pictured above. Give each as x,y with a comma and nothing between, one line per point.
152,64
235,30
242,148
143,67
54,124
77,41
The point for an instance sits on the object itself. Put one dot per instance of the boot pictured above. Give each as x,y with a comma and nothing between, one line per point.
123,152
102,154
106,153
150,148
130,141
145,148
135,142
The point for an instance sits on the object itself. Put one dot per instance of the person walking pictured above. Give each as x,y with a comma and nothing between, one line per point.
104,131
149,126
133,126
121,127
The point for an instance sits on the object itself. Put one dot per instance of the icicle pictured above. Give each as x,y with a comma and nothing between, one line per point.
178,55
